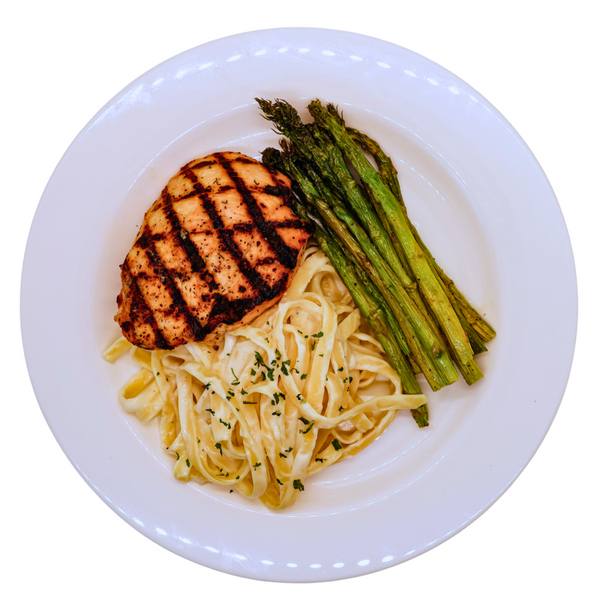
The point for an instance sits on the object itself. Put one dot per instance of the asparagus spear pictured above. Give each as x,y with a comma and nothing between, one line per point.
479,330
428,282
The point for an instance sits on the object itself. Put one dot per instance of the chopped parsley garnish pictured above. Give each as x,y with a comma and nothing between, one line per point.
301,399
276,413
259,359
305,421
256,465
248,402
219,447
228,425
312,345
282,455
252,372
304,376
305,431
298,485
284,365
321,460
341,369
318,335
207,385
211,411
187,462
336,444
277,354
279,482
244,392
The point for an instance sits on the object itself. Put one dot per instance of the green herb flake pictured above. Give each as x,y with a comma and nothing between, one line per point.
282,455
228,425
298,485
304,376
259,359
256,465
211,411
276,413
187,462
321,460
219,447
305,431
318,335
301,399
336,444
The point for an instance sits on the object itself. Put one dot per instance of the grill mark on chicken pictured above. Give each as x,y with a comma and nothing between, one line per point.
287,256
178,304
182,237
141,310
226,237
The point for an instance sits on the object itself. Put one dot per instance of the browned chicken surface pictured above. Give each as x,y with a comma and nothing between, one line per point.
218,248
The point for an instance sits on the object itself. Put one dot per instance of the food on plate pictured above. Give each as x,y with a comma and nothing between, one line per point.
267,357
364,214
277,400
218,247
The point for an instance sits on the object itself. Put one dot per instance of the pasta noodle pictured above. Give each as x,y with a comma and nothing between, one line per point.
275,401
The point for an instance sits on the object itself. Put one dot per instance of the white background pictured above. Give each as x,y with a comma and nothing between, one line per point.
537,63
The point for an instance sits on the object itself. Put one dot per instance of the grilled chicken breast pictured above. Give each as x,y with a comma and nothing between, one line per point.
218,248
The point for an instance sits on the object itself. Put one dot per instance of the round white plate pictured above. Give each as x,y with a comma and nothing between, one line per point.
485,209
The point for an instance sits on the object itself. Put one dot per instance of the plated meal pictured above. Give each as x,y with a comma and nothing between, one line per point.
475,198
282,312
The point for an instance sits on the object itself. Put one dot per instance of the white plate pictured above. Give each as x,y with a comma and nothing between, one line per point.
485,209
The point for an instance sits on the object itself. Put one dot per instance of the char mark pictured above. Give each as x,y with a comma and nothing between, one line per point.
179,303
226,237
142,312
182,236
287,256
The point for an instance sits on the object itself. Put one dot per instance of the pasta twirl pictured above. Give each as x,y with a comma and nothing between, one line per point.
274,401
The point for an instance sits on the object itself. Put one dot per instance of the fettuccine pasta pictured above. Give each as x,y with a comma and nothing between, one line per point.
272,402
